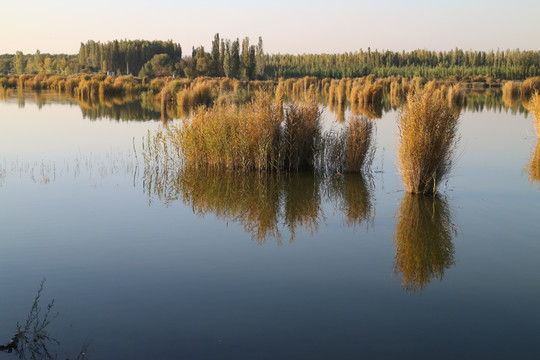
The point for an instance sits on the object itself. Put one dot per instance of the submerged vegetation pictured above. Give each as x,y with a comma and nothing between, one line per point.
427,137
267,205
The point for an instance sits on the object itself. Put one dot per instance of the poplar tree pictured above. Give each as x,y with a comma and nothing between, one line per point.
215,67
222,58
248,60
235,59
227,63
259,60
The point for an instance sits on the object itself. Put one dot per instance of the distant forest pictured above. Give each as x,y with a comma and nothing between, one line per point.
241,60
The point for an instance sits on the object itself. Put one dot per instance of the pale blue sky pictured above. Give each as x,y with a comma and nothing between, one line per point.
286,26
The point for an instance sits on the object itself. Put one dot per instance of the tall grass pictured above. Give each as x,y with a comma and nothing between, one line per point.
302,131
233,137
427,138
455,96
350,150
511,91
529,87
251,136
359,144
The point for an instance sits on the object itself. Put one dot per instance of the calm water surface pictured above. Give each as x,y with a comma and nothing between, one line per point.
146,264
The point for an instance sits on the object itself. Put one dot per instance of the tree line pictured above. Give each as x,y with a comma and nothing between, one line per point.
509,64
241,60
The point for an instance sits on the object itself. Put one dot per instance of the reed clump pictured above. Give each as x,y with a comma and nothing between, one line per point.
529,87
371,94
301,135
427,138
397,91
252,136
341,92
332,90
359,144
236,137
202,94
350,150
184,101
511,91
455,96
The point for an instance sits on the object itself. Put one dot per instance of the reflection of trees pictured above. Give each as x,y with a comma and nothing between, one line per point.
423,240
104,107
533,167
264,204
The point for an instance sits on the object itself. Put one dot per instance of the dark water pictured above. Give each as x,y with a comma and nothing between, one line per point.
206,265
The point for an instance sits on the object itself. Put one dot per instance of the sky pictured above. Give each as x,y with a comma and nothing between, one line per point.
294,27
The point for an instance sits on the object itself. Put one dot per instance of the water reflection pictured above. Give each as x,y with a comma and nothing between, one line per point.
98,166
120,110
370,111
533,167
423,240
147,108
353,196
125,108
264,204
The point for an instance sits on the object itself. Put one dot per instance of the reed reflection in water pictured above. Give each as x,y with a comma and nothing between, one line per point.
423,240
353,196
533,167
264,204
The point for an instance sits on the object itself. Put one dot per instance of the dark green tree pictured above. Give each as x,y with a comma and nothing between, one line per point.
235,59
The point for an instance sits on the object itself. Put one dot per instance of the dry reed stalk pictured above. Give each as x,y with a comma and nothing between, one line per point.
359,144
302,132
341,92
